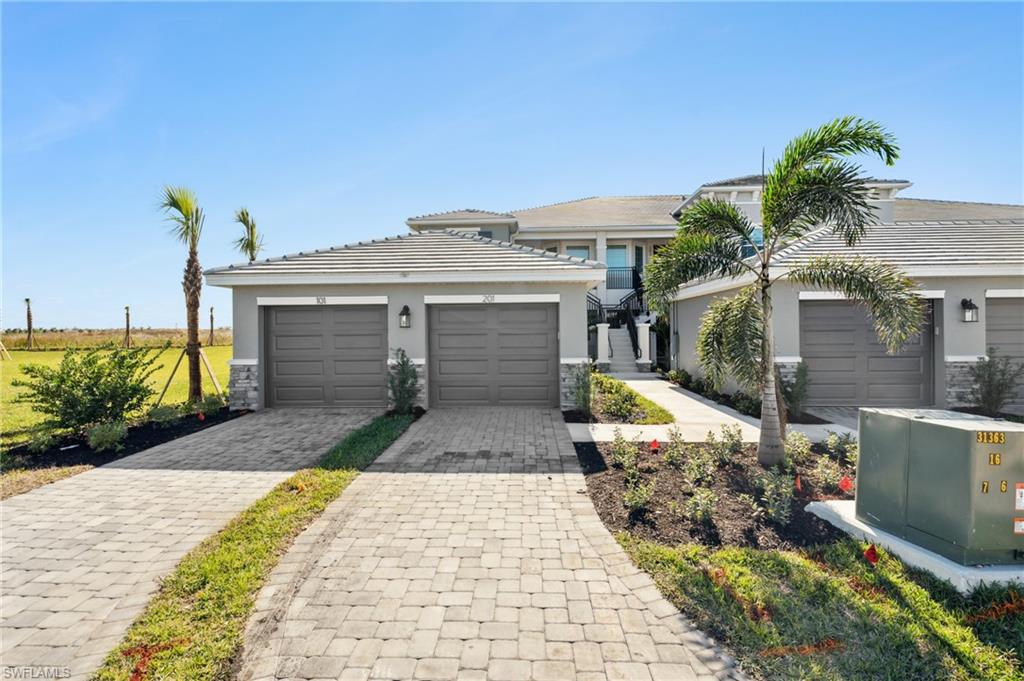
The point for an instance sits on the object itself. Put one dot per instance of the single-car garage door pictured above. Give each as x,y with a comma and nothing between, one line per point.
1004,331
847,366
326,355
494,354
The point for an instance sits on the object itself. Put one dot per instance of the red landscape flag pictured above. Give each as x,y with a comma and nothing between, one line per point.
201,416
871,554
654,445
846,484
799,487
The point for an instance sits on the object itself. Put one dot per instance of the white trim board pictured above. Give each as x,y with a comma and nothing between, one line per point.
965,358
243,362
1005,293
573,360
321,300
836,295
593,275
789,359
491,298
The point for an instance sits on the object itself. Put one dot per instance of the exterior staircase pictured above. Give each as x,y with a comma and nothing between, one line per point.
622,359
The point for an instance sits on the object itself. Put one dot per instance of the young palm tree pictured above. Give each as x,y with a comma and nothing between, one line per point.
182,209
30,339
813,184
251,242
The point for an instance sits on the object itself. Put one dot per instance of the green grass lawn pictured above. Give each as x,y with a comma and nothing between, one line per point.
826,613
194,626
18,418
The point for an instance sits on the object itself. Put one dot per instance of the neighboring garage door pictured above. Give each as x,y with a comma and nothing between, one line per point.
493,354
1004,331
326,355
847,366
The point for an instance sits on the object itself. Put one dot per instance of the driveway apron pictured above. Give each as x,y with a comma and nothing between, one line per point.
470,550
81,557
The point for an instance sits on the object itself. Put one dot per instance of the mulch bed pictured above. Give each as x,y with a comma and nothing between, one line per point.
75,450
733,523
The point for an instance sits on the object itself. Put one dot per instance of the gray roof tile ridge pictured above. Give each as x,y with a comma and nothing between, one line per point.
527,249
975,203
462,210
280,258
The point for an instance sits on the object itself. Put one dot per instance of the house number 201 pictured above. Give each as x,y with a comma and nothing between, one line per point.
488,298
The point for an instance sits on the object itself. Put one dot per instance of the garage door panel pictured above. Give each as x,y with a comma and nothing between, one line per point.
493,354
523,341
1004,332
294,342
848,366
339,358
359,341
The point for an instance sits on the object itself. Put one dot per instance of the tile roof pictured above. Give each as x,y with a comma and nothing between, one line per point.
417,253
932,209
755,180
463,214
910,244
602,211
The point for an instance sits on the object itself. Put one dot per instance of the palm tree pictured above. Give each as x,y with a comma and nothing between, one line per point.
813,184
182,209
251,242
30,340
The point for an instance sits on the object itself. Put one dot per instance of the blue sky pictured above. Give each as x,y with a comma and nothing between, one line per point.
333,123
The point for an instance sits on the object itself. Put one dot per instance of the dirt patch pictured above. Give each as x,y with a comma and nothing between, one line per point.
75,450
665,521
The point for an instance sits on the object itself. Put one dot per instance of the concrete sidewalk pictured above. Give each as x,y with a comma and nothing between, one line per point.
695,416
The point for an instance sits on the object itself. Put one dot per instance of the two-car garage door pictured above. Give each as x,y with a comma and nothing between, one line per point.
848,366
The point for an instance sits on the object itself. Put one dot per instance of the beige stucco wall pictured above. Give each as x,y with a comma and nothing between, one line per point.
572,311
954,339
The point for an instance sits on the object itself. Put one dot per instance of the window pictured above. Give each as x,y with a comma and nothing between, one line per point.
552,249
578,251
638,257
486,233
617,256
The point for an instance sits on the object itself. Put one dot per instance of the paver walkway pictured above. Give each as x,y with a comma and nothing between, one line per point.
470,550
81,557
694,414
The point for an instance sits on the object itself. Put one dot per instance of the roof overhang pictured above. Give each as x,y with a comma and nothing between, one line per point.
460,223
592,276
590,231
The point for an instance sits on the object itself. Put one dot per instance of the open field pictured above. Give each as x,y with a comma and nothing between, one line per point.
17,418
60,339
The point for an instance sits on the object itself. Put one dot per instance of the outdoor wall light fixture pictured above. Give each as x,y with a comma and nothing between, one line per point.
404,318
970,310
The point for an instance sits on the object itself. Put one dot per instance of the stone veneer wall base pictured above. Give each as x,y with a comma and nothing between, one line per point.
959,384
244,387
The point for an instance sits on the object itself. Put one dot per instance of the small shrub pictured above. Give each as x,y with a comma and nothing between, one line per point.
798,447
842,447
624,453
775,494
403,383
717,449
829,473
109,435
747,404
699,466
42,441
995,382
794,391
674,449
98,385
210,404
164,415
638,495
582,388
732,439
680,377
697,385
700,508
618,402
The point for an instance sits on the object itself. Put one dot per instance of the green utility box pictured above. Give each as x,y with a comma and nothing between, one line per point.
952,483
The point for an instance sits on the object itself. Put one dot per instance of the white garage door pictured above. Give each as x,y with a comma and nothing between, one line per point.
848,366
1004,331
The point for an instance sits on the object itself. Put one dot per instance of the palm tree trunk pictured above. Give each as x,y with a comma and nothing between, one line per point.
30,339
192,285
770,449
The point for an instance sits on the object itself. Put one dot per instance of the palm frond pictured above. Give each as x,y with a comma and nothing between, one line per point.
182,208
833,194
818,148
251,242
709,242
730,337
887,293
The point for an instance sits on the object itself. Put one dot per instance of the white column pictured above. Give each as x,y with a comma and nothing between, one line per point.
601,255
643,339
603,355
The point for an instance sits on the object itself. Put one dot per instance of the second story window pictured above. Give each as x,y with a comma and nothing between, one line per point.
486,233
617,256
578,251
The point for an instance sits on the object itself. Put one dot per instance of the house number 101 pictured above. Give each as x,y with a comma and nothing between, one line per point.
321,300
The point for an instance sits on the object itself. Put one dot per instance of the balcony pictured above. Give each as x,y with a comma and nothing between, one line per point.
623,278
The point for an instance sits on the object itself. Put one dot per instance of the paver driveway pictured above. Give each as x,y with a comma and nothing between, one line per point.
81,557
470,550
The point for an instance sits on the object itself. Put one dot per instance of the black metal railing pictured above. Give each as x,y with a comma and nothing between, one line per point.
595,309
633,339
633,303
623,278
